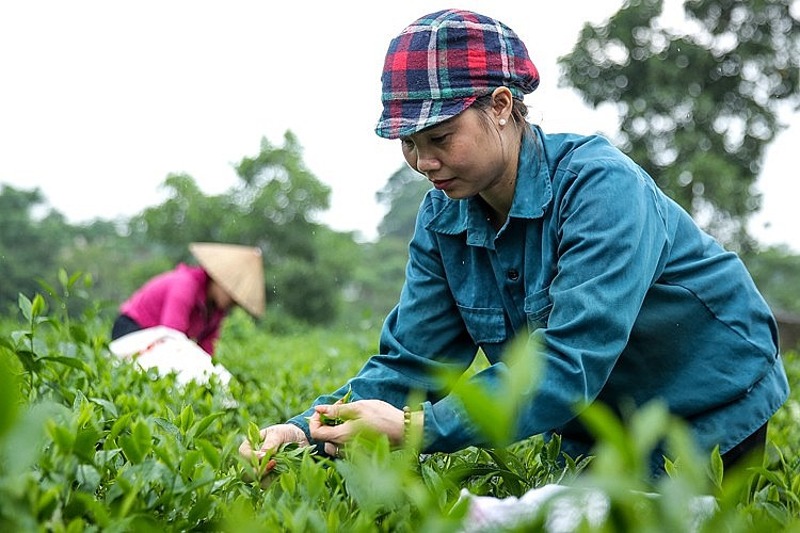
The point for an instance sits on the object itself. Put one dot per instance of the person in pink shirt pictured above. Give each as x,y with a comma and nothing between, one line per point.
195,299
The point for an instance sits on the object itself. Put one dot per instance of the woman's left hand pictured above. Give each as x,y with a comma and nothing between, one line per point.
372,415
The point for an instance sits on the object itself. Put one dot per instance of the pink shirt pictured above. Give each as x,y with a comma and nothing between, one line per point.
177,299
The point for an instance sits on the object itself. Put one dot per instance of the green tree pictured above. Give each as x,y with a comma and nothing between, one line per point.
274,207
379,277
30,237
697,110
776,271
377,281
186,216
281,200
307,264
402,195
117,261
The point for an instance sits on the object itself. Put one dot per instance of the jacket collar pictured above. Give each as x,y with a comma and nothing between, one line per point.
533,193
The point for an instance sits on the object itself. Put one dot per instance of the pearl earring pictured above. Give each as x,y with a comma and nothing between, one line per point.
502,122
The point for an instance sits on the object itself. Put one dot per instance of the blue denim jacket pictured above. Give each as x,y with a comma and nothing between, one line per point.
626,297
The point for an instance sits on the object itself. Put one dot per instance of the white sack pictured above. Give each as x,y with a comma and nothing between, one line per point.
168,350
570,506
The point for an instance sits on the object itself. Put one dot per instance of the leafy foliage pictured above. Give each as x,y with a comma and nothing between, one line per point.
90,443
26,241
378,278
273,207
777,272
402,195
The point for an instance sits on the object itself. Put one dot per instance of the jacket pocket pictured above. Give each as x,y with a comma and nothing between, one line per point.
537,309
484,324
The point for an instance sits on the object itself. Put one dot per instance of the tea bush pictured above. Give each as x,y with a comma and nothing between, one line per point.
91,443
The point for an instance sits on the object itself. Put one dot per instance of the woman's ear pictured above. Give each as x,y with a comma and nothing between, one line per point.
502,103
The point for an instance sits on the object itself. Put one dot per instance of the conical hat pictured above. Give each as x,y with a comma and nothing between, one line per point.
238,269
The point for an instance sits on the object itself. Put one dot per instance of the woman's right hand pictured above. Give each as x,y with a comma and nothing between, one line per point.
272,438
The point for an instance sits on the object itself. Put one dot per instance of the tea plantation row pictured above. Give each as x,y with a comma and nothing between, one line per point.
89,443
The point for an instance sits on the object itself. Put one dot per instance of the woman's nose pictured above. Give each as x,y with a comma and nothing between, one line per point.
427,163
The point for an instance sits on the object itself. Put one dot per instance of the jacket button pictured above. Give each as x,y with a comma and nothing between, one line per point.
513,274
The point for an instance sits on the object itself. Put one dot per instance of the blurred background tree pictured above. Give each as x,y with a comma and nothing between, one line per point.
273,207
402,196
28,235
378,278
697,108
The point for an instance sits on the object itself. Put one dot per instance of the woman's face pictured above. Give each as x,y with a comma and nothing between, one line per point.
222,300
463,156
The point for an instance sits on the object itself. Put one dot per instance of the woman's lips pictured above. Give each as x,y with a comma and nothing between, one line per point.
443,185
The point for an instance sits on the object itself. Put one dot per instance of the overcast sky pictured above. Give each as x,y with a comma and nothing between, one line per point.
101,100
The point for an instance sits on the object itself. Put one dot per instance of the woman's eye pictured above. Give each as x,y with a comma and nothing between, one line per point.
439,139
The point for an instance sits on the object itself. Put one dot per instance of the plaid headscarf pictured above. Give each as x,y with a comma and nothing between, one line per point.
441,63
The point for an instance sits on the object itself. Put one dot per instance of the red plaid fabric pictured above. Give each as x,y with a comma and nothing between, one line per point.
442,62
